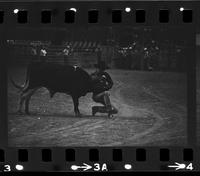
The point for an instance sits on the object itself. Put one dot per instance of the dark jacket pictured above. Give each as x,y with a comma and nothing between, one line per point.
102,81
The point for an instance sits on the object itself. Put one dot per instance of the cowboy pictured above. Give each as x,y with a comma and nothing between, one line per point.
66,52
42,54
33,51
100,93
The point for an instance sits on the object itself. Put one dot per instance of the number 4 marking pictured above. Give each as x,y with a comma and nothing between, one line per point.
190,167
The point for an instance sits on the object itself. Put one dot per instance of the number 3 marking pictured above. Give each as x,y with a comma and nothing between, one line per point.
97,167
7,168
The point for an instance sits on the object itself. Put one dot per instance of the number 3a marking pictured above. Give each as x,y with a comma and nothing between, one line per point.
7,168
190,167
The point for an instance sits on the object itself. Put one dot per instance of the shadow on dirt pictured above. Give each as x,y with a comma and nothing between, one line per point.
61,115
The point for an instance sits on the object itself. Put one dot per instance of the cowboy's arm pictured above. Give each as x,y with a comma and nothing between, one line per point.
109,81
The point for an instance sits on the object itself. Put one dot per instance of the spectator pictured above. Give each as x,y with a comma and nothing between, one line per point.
66,55
34,54
43,54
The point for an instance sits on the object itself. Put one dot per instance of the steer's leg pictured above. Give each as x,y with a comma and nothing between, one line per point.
27,100
23,96
76,103
21,100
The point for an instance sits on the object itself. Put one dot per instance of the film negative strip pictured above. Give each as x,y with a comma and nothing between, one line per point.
100,86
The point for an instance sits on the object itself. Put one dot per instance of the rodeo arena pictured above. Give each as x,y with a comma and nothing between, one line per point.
147,96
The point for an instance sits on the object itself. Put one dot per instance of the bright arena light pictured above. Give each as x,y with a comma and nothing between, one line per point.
128,166
127,9
73,9
16,11
19,167
181,9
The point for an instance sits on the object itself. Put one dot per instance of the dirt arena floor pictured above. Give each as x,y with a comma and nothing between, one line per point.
152,112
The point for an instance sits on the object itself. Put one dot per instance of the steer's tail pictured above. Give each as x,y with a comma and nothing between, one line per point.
20,87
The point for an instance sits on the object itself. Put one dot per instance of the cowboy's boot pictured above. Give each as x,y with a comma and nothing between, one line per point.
113,110
94,110
101,109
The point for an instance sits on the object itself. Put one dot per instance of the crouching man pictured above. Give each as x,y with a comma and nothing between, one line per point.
100,94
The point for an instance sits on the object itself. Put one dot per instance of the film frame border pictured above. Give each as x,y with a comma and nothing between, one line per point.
145,5
57,161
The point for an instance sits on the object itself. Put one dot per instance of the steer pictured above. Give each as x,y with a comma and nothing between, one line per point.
71,80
